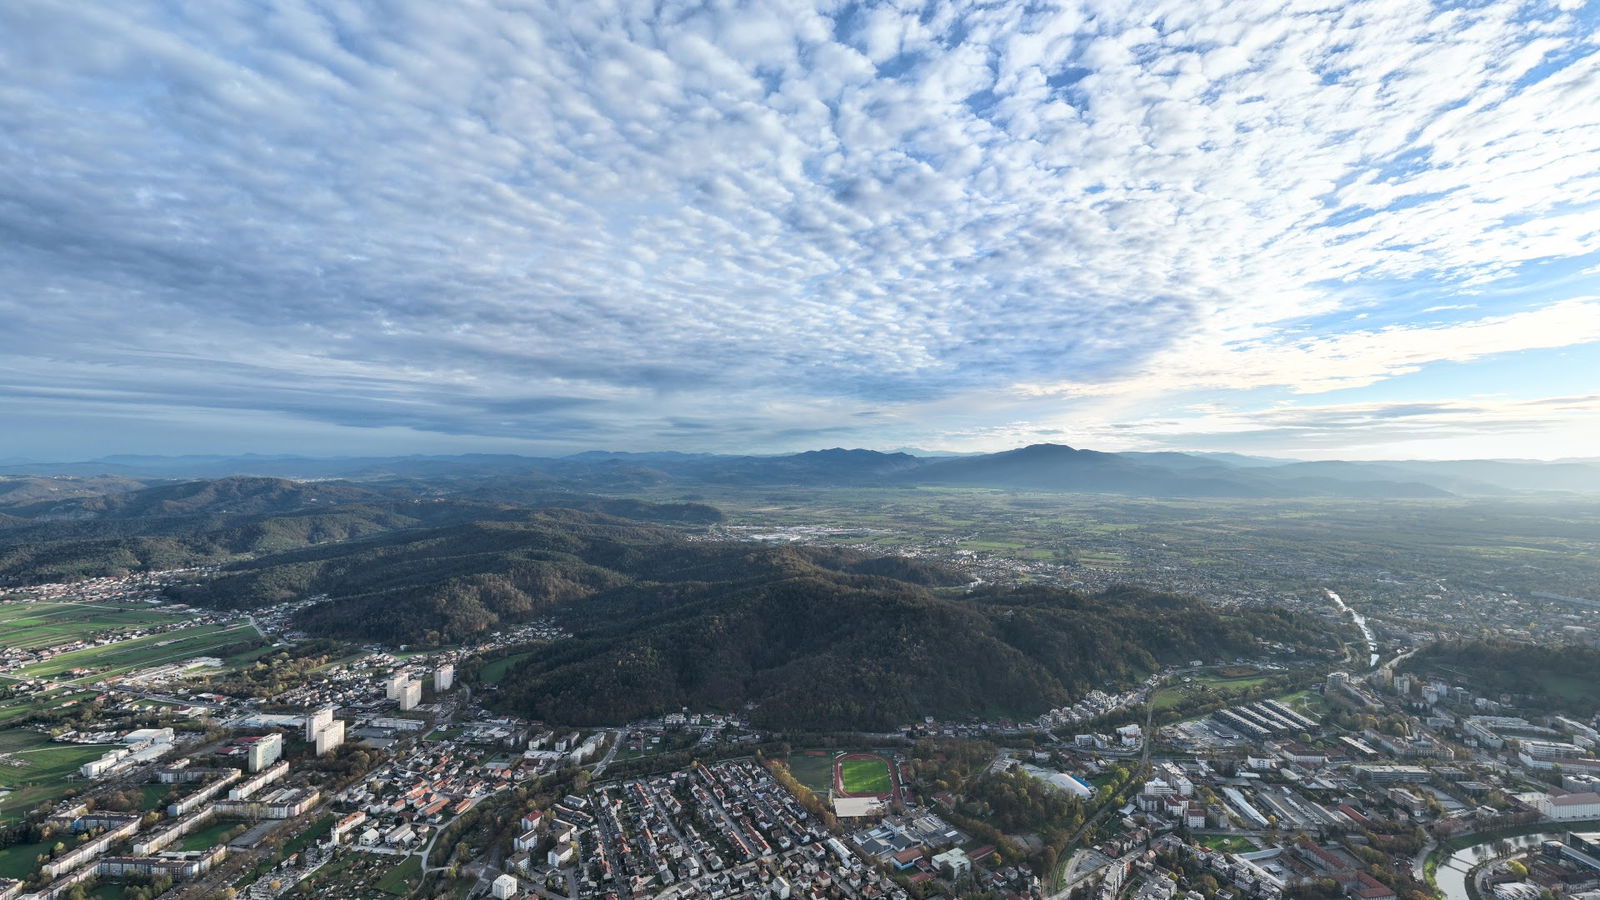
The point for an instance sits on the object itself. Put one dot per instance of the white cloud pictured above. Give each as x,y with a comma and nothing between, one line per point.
1471,428
770,218
1351,359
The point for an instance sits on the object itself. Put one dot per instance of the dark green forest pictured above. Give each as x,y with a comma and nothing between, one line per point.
1548,677
805,637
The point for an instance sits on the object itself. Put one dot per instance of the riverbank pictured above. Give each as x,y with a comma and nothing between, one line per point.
1460,858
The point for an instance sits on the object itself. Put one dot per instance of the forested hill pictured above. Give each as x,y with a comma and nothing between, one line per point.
1540,676
815,648
90,528
815,637
236,496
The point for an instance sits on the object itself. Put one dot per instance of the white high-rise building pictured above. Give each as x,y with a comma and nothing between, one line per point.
316,721
330,737
411,695
265,752
396,683
444,677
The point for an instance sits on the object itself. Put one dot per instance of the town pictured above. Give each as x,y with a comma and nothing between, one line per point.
162,751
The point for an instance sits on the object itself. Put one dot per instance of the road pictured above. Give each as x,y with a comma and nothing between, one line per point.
1110,807
611,754
1001,761
1419,862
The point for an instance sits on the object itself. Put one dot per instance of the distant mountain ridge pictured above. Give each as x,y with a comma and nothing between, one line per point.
1039,467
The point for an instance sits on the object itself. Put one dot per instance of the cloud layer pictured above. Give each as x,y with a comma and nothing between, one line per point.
763,225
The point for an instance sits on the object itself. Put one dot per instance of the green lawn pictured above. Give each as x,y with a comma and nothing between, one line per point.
1205,684
17,860
495,670
207,837
446,734
36,771
1167,697
315,832
154,794
866,776
403,878
1227,843
1306,703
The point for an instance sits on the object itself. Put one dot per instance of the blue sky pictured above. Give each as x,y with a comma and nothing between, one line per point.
1355,230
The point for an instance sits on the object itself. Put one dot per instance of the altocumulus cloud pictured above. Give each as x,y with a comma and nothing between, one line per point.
690,223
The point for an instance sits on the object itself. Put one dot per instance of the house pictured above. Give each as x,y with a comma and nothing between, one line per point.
504,887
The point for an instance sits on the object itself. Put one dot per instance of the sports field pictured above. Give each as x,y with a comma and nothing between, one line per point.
865,776
814,769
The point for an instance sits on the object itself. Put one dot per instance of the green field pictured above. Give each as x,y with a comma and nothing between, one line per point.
36,771
45,624
138,653
155,794
403,878
813,769
1227,843
1307,703
446,734
866,776
496,669
206,837
18,860
1205,684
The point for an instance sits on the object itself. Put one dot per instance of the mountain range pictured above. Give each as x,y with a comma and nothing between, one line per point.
1040,467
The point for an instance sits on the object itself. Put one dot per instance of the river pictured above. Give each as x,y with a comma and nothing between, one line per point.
1452,873
1361,623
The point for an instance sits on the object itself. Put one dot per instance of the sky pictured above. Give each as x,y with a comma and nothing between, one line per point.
1309,229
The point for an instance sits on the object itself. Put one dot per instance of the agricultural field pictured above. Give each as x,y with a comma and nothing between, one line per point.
137,653
29,626
865,776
